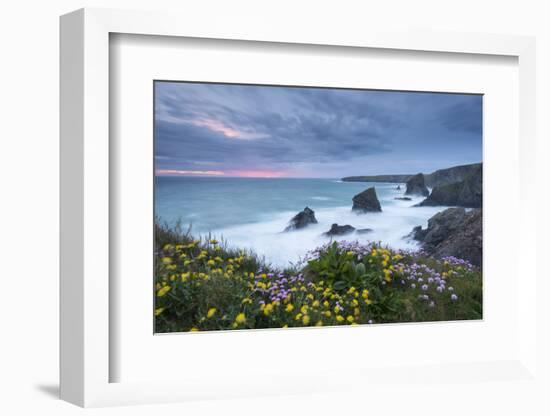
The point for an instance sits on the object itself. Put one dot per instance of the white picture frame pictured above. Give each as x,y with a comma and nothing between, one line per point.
85,200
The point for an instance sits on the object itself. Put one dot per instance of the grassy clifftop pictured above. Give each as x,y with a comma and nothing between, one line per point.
202,284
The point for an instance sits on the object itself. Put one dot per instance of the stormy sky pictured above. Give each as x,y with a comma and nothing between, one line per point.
264,131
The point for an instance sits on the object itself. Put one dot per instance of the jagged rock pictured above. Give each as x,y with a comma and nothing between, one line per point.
450,175
364,231
302,219
336,229
467,193
403,198
416,186
453,232
366,201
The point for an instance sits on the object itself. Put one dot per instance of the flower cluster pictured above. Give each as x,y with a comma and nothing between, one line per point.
203,285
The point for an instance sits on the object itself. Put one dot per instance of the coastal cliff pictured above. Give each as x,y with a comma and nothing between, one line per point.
437,178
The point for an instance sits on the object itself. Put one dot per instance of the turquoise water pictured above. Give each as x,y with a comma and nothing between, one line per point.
252,212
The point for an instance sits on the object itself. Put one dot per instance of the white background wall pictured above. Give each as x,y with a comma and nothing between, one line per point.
29,202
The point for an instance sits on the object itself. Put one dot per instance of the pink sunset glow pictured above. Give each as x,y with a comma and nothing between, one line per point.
165,172
233,173
218,127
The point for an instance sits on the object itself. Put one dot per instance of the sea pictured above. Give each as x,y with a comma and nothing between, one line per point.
251,213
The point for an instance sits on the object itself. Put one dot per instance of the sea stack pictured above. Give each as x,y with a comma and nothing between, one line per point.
302,219
366,201
416,186
336,229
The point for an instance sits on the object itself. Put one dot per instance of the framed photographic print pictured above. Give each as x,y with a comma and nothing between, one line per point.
321,212
288,206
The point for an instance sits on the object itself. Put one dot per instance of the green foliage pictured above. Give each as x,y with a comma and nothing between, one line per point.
204,284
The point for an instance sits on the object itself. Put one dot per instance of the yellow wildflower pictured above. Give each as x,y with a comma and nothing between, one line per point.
158,311
350,319
268,309
211,312
339,318
214,242
327,314
319,323
166,260
305,319
289,307
194,329
298,316
354,302
304,309
246,300
240,319
315,304
285,326
326,304
163,291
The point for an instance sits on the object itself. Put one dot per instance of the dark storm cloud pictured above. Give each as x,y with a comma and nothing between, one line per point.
311,131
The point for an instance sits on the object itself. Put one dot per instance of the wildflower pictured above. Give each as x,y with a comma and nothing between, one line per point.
194,329
289,307
454,297
305,319
211,312
158,311
246,300
326,304
450,289
167,247
319,323
298,316
327,314
213,242
310,296
285,326
163,291
339,318
365,294
166,260
268,309
187,262
211,262
240,319
354,302
315,304
424,287
350,319
304,309
413,286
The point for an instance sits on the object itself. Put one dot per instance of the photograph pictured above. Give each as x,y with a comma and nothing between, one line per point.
302,206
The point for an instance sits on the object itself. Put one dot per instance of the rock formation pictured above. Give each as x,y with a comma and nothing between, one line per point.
336,229
466,193
302,219
416,186
366,201
403,198
453,232
437,178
